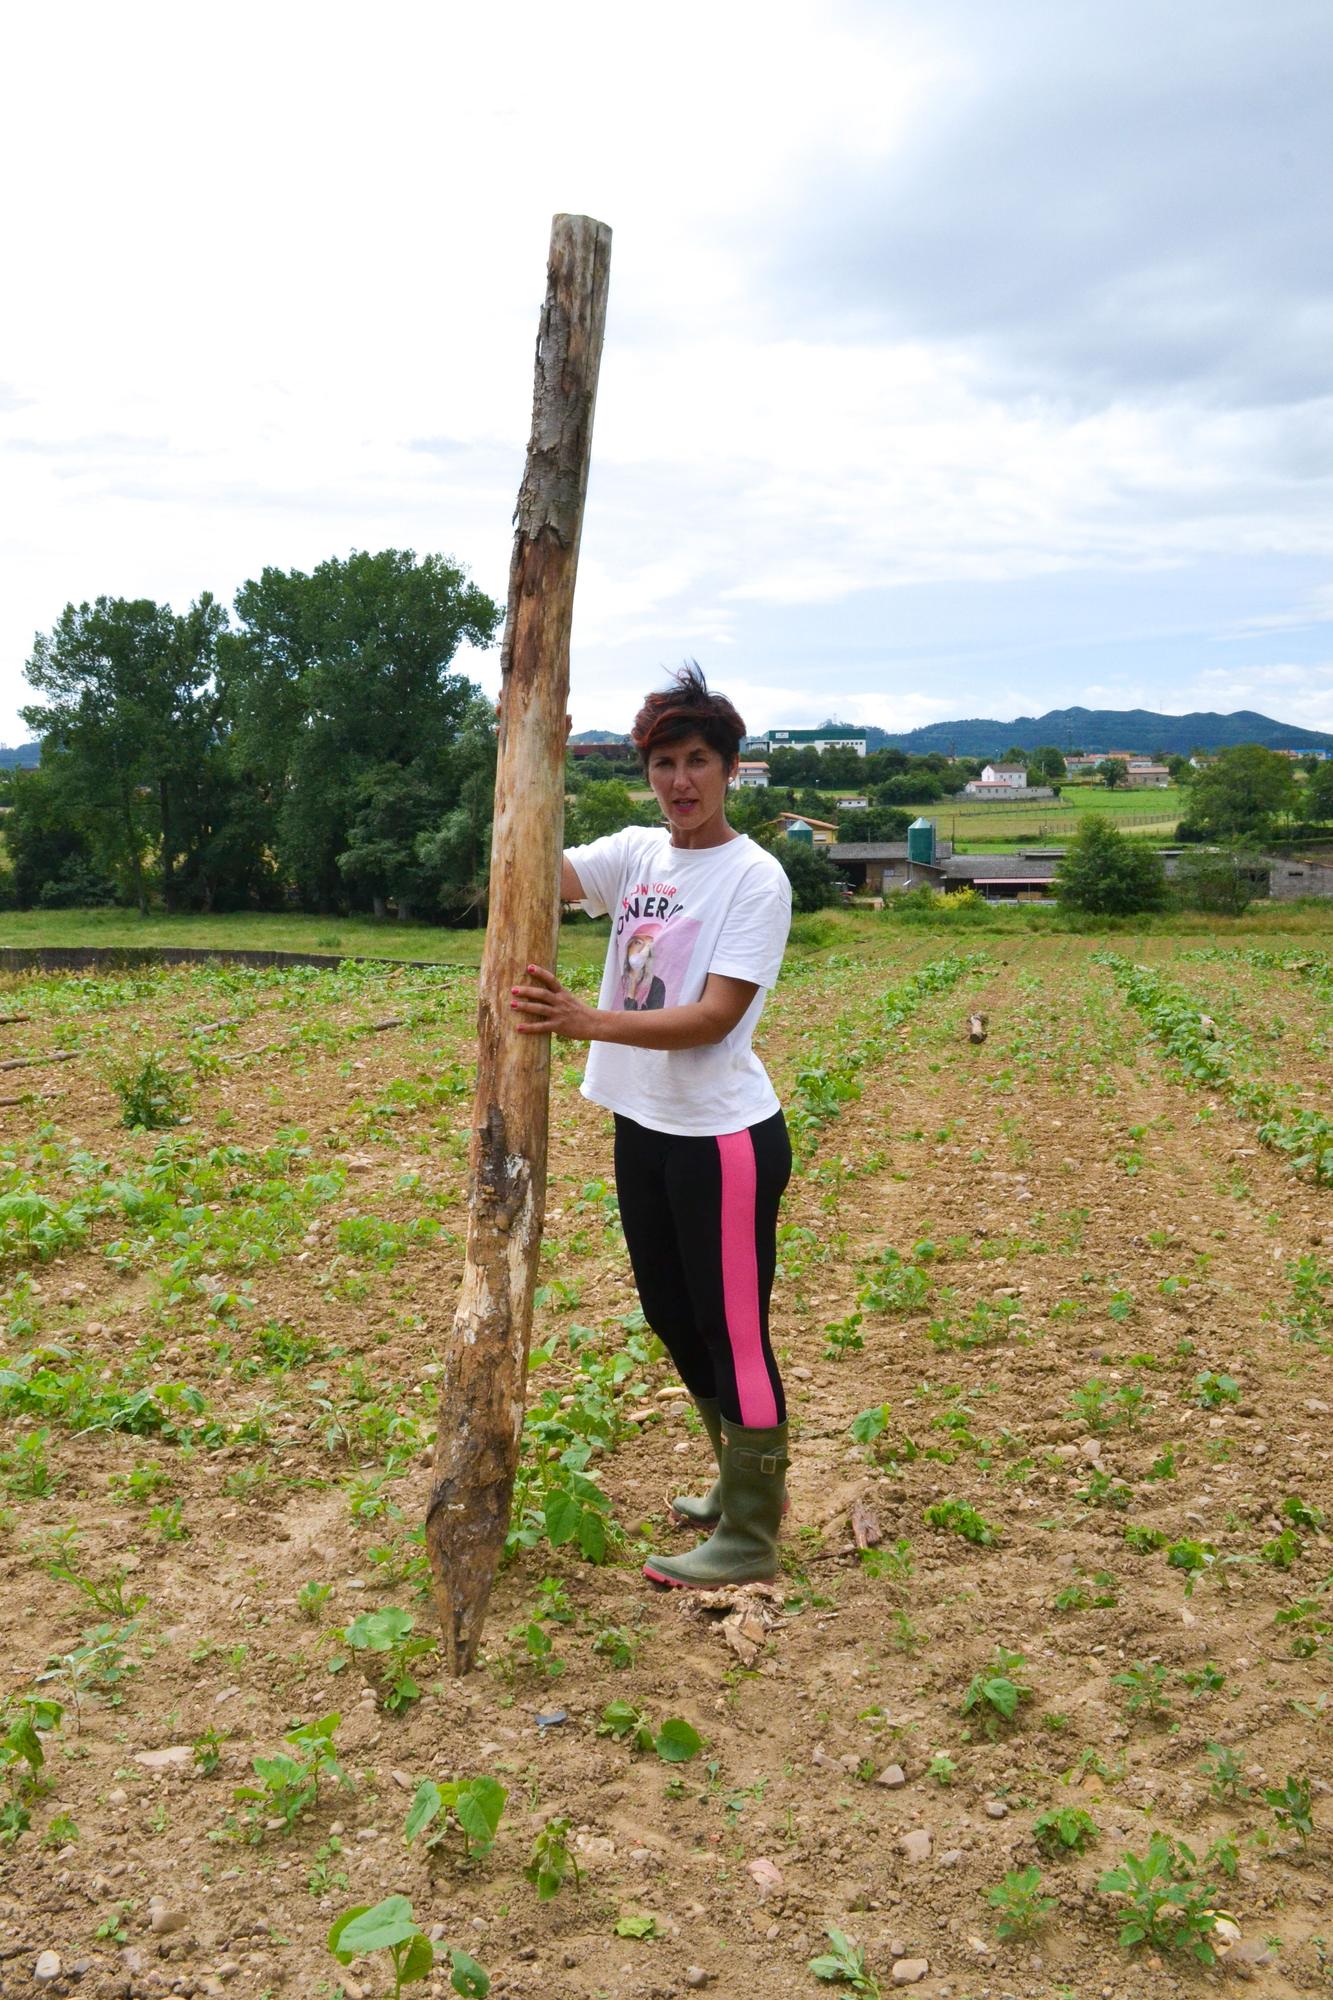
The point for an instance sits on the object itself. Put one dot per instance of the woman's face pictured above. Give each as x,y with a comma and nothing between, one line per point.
689,781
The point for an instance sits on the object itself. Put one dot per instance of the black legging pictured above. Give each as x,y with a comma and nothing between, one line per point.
700,1219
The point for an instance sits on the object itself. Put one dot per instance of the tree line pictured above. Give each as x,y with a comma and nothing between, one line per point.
311,749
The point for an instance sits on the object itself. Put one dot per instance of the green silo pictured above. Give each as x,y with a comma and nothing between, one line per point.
800,832
921,843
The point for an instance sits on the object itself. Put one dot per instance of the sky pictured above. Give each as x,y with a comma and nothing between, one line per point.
961,359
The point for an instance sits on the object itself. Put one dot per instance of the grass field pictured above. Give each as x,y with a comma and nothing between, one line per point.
1055,1314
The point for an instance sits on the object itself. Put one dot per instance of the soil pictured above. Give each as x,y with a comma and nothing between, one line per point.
1093,1220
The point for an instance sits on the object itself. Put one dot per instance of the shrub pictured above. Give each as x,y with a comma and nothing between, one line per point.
1104,874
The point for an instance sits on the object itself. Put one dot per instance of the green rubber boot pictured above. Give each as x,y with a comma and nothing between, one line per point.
743,1548
686,1511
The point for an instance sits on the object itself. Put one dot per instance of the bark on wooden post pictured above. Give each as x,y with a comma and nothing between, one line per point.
481,1400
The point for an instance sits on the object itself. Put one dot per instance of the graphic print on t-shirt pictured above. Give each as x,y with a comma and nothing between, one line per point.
655,941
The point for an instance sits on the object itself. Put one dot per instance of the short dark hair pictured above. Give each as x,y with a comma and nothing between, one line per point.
687,708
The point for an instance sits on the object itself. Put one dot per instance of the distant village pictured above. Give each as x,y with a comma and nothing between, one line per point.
877,868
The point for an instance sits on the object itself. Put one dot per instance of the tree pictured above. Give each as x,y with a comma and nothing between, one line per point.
132,707
752,809
813,884
48,843
1220,880
1318,801
1241,793
340,684
604,808
455,854
1046,765
1113,771
593,770
913,788
1181,769
1104,873
876,823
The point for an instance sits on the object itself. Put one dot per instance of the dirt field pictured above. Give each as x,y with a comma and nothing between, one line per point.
1056,1317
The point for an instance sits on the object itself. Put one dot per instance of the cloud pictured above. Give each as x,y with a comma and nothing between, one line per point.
1101,201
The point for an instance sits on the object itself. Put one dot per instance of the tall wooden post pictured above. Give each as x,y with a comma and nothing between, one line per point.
481,1399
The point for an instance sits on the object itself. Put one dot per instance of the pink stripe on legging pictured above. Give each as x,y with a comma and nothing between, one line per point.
740,1282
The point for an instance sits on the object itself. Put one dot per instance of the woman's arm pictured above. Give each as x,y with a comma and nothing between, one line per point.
571,889
545,1007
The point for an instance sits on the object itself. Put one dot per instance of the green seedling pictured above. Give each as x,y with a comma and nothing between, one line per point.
843,1336
169,1522
960,1519
676,1742
1102,1490
1065,1829
208,1750
24,1722
100,1662
615,1644
845,1965
1291,1806
892,1564
995,1697
1206,1679
473,1805
390,1926
1164,1465
1283,1551
1145,1690
324,1876
942,1768
288,1786
1191,1556
551,1860
61,1831
1022,1906
1144,1540
1099,1593
1212,1391
1301,1515
24,1470
1169,1908
137,1486
389,1638
105,1594
1223,1853
112,1926
1225,1774
152,1096
311,1599
636,1927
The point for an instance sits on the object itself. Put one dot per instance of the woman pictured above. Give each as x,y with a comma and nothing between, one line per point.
700,916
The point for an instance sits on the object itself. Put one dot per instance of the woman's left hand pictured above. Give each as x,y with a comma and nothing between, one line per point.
545,1007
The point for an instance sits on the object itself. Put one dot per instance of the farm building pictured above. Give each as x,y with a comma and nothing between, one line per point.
811,739
1148,777
878,867
824,831
750,775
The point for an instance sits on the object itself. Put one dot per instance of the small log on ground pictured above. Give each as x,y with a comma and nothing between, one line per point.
32,1062
482,1387
976,1027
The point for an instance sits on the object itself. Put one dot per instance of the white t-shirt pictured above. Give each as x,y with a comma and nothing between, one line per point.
679,913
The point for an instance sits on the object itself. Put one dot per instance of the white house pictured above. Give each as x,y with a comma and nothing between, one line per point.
998,780
750,775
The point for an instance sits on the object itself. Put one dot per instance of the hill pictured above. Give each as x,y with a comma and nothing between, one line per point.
1096,729
27,754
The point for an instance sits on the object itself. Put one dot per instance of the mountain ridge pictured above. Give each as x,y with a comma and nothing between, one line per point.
1094,730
